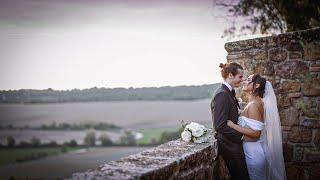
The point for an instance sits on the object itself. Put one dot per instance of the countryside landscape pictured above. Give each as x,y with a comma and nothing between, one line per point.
38,131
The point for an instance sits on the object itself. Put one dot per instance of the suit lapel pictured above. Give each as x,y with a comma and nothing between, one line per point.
234,100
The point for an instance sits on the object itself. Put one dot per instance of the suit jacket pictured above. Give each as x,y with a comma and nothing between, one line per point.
223,108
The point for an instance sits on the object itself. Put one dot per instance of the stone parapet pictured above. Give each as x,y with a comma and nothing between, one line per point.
173,160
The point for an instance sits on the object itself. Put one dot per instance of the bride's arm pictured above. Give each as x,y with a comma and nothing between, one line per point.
245,131
253,113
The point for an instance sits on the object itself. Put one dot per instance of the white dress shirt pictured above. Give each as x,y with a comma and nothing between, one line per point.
228,85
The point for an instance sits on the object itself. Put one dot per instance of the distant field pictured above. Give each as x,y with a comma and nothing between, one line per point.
63,165
133,115
9,156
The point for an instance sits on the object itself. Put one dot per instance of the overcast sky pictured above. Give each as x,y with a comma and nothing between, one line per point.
66,44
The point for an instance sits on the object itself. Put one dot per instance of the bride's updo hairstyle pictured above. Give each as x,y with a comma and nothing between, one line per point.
257,79
229,68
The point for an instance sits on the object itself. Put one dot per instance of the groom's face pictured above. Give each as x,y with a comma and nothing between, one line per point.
238,78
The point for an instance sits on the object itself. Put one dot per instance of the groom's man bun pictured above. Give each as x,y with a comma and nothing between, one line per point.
229,68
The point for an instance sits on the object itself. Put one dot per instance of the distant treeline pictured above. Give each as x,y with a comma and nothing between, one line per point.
108,94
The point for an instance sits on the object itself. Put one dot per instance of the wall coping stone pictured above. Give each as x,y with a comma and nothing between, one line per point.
280,40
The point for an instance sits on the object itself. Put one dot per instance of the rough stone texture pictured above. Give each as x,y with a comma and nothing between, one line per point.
315,68
294,171
173,160
311,50
289,86
311,88
316,139
288,148
292,69
300,134
311,123
311,155
295,55
292,66
277,54
283,100
314,172
289,117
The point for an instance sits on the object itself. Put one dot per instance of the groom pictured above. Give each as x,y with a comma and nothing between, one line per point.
224,106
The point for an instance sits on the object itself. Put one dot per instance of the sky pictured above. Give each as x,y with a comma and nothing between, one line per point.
67,44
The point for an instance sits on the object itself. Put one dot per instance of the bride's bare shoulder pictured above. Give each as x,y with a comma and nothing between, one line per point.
255,111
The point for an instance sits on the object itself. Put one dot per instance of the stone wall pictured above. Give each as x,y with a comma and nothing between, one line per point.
291,62
173,160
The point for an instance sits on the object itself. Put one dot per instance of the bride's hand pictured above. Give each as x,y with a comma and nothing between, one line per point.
230,123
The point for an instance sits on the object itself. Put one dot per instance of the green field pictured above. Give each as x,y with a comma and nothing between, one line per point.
153,133
12,155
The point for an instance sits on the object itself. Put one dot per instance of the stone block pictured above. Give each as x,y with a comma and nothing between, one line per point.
310,89
311,50
316,138
260,55
314,69
289,86
311,122
294,172
277,54
295,55
289,117
292,69
294,95
287,152
314,173
311,155
264,68
298,153
283,100
300,134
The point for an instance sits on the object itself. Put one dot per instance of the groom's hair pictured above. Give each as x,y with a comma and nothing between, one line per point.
229,68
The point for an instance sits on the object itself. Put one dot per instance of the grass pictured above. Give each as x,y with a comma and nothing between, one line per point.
12,155
153,134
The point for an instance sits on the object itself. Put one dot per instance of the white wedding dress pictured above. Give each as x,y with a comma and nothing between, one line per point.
254,151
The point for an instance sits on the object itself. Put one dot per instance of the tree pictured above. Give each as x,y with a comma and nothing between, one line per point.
10,141
270,16
90,138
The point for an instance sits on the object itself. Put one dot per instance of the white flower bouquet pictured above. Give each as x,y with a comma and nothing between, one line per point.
194,132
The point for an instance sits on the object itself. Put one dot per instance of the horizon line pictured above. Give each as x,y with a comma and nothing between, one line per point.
131,87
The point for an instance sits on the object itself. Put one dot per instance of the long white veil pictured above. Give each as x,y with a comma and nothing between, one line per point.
273,136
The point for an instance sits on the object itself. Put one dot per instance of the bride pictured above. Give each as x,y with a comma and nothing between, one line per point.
259,123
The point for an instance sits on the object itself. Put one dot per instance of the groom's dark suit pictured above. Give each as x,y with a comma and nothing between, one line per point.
224,107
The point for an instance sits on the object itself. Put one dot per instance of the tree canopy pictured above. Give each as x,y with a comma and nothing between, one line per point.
270,16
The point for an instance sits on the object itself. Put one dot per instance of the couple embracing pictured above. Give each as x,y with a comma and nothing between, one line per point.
249,141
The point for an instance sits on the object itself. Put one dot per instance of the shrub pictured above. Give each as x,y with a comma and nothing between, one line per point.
105,140
35,142
73,143
128,138
10,141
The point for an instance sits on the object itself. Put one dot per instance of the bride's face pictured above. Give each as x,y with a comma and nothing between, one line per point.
247,84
